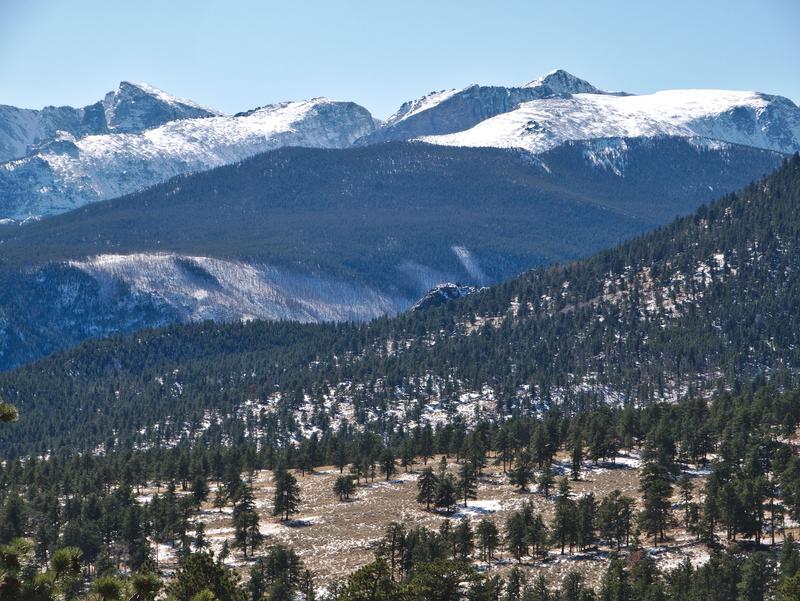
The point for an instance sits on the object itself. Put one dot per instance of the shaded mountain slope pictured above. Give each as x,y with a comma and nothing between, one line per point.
704,302
318,235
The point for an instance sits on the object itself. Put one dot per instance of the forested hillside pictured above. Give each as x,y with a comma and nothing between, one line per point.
340,235
707,301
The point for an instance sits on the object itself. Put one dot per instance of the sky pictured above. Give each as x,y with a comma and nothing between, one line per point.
236,55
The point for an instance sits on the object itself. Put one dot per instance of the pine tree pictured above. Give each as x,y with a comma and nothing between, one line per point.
685,490
522,474
343,487
615,585
515,585
427,484
757,577
447,493
546,480
488,538
468,481
517,536
245,520
585,521
537,535
577,458
502,444
656,490
463,540
539,590
200,540
200,490
563,529
287,494
388,467
426,444
199,573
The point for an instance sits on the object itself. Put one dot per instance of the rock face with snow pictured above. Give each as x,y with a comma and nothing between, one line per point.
451,111
443,293
131,108
748,118
70,172
136,107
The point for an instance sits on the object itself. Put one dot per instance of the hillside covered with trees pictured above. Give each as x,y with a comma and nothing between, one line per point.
706,302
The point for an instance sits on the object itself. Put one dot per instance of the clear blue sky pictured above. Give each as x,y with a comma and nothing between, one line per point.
234,55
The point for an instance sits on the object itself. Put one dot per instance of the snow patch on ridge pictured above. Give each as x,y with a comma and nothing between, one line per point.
201,288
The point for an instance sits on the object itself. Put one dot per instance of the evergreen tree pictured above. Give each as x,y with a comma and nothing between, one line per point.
488,538
344,487
546,480
463,540
517,536
522,474
467,481
287,494
656,489
245,520
200,490
563,528
427,485
199,572
447,493
577,458
388,467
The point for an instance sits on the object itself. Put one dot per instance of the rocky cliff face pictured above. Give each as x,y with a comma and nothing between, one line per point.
130,108
451,111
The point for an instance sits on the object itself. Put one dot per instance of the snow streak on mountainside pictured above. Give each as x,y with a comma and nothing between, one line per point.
748,118
72,172
199,288
132,107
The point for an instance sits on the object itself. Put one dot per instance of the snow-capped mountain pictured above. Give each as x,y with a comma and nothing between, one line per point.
456,110
139,136
69,171
749,118
133,107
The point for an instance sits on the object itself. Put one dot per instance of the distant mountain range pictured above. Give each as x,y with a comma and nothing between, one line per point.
58,159
144,209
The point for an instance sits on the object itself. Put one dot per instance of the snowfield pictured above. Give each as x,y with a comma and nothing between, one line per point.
74,171
748,118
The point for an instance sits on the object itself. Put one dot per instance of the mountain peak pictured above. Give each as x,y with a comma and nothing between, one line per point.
562,82
135,107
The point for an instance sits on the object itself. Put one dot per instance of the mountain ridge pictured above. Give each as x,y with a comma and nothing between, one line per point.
671,310
376,227
100,154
